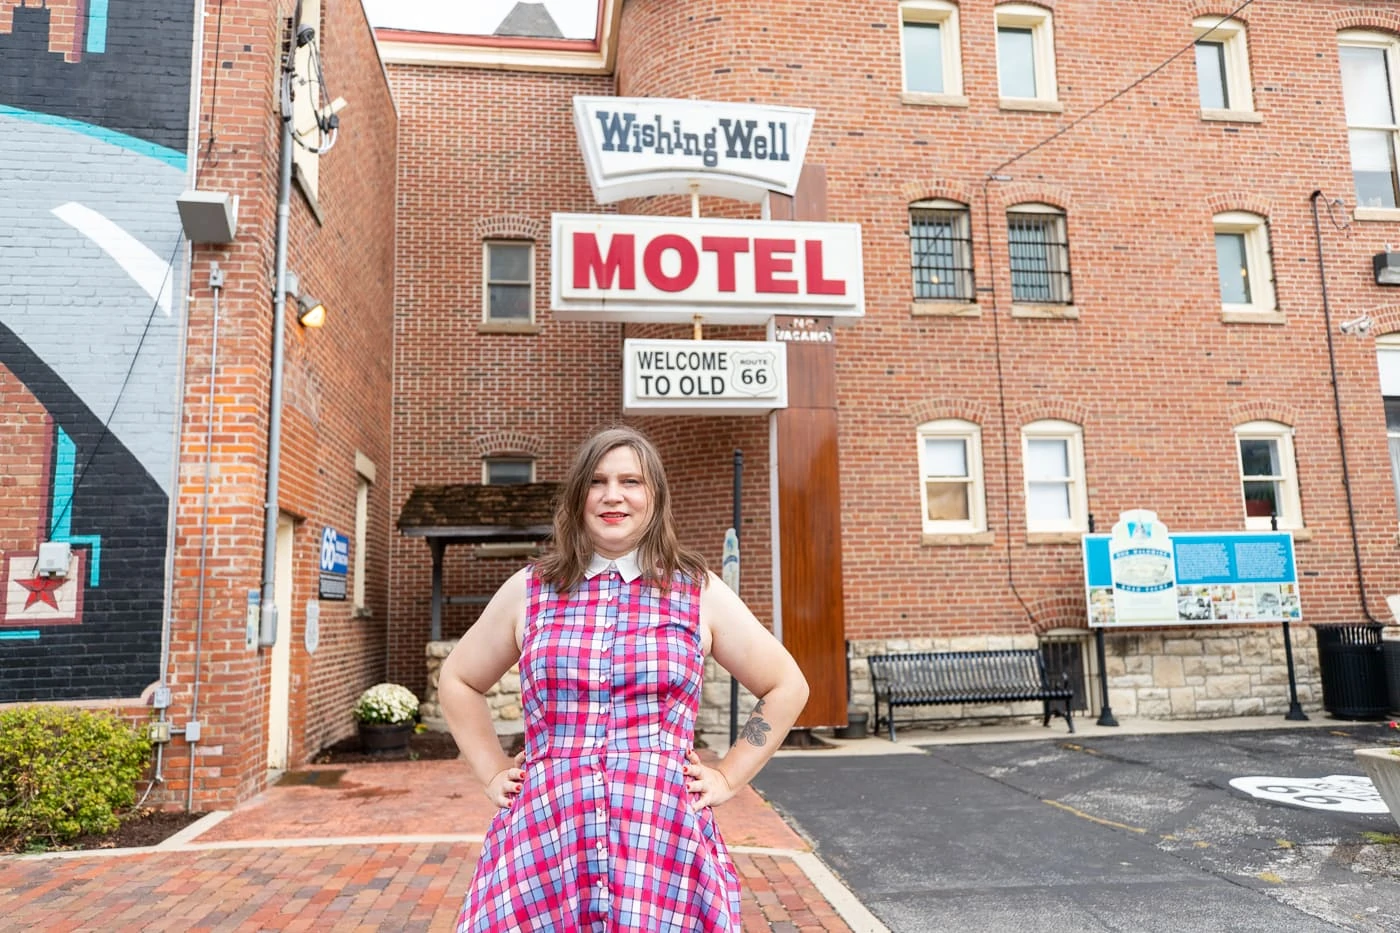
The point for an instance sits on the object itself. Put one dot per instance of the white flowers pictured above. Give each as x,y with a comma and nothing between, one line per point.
386,703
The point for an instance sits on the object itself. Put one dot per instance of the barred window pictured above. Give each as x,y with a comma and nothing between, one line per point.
1039,254
940,241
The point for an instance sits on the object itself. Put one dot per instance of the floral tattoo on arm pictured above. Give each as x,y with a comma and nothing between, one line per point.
757,728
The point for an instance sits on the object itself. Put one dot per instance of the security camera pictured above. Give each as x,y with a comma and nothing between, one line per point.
304,35
1357,327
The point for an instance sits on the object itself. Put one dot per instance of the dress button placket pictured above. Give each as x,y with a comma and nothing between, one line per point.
604,716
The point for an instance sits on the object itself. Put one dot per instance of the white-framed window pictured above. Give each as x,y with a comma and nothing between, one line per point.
507,471
1039,247
364,479
1371,88
930,48
1025,53
1243,263
950,477
510,281
940,246
1268,475
1388,358
1056,493
1222,66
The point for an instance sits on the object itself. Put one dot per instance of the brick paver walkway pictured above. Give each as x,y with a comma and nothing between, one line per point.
342,855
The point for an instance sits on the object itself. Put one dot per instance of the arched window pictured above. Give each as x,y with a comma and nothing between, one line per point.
950,473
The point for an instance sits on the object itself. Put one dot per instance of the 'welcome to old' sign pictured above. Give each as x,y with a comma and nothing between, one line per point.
638,146
698,377
619,267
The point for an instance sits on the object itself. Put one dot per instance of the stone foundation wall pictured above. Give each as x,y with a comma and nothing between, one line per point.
1184,673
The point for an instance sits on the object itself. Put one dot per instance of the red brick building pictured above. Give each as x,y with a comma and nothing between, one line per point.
1115,256
1103,258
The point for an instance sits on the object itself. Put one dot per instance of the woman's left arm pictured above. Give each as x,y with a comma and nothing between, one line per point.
749,652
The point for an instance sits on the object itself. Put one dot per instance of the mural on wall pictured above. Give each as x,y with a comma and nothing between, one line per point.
94,129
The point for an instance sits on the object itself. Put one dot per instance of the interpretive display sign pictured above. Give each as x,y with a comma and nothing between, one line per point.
619,267
1214,579
639,146
700,377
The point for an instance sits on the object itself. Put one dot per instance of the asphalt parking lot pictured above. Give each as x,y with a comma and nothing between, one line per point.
1105,832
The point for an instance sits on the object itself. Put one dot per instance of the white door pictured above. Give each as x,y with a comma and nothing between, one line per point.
279,697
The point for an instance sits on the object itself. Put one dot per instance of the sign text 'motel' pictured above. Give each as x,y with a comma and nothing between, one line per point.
696,377
638,146
621,267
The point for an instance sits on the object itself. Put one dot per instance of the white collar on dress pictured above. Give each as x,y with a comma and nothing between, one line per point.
625,565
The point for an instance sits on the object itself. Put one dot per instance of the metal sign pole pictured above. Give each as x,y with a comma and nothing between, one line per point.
1295,710
738,525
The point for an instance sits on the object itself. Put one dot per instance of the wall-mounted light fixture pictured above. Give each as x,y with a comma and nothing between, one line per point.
311,312
208,216
1357,327
1387,267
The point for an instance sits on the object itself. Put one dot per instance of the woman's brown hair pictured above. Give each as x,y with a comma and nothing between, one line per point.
659,552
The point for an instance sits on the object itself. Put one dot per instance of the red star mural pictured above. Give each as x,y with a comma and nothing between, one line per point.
41,589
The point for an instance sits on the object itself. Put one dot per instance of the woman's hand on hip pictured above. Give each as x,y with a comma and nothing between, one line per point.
708,786
505,786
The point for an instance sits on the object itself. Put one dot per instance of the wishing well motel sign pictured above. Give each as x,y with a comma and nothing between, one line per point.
684,270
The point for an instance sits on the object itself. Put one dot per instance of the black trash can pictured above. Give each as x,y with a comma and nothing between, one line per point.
1353,671
1390,652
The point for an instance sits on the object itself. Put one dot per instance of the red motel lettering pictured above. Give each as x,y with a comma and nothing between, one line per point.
772,264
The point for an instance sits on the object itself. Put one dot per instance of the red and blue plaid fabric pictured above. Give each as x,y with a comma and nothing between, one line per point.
602,836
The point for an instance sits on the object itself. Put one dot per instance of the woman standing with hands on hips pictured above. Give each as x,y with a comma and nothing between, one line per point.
605,822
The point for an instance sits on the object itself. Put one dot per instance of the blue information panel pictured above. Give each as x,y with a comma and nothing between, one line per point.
335,564
1221,578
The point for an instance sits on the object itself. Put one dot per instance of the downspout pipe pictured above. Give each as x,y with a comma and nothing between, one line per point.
1337,411
267,622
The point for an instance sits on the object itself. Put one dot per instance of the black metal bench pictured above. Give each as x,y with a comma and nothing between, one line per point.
926,678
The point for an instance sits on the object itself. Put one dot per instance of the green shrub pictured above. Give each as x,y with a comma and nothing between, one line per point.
65,772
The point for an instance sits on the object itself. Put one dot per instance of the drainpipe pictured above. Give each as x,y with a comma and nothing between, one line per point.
267,627
1337,409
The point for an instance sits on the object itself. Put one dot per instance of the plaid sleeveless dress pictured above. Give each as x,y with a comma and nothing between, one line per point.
602,836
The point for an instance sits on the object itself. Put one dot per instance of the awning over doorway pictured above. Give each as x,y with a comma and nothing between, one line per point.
470,513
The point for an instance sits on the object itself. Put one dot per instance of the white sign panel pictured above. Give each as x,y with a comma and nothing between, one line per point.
639,146
619,267
703,377
1144,569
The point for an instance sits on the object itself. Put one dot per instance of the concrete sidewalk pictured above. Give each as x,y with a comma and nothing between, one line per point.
385,846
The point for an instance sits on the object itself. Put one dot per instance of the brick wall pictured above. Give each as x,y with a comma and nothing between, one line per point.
1149,369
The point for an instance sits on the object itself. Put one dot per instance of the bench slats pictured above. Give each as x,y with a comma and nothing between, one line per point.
919,678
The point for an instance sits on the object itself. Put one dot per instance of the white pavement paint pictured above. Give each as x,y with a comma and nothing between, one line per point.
1346,793
136,259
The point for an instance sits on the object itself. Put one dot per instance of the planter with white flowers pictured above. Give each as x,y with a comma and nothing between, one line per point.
386,715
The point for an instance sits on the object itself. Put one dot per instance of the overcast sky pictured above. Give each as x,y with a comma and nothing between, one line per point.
577,19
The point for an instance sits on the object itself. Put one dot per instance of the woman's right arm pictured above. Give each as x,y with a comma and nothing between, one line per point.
476,663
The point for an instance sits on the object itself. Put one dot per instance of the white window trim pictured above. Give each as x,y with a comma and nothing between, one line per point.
517,458
1041,25
1231,34
1257,255
945,15
1391,45
364,479
1292,515
486,283
1388,346
971,435
1073,435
